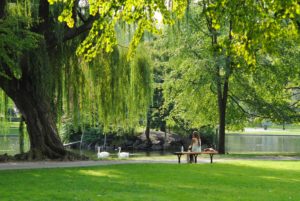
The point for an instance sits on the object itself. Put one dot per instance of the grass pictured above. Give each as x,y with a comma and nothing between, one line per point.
231,181
269,131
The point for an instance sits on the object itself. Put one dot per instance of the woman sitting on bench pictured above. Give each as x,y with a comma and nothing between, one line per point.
195,144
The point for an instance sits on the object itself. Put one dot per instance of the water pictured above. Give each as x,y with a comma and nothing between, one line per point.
235,143
10,144
132,153
262,143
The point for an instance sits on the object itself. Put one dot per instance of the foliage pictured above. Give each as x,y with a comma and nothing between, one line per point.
109,13
118,93
15,38
242,179
48,81
259,77
110,89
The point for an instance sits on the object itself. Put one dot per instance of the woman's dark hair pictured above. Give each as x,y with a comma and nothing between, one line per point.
196,135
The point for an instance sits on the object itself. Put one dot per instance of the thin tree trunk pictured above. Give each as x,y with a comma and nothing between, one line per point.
147,131
222,90
222,102
21,135
2,8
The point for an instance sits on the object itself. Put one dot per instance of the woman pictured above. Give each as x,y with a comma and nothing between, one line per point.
196,142
195,145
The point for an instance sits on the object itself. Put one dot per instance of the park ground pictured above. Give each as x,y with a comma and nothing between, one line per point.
248,178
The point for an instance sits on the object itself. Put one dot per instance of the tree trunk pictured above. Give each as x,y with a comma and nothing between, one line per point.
222,102
223,97
21,135
222,91
163,126
2,8
41,127
147,131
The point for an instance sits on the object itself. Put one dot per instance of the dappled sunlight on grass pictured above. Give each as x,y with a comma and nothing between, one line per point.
36,175
100,173
275,165
279,179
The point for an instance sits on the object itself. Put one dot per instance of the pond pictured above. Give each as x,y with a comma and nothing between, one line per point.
267,143
235,143
132,153
10,144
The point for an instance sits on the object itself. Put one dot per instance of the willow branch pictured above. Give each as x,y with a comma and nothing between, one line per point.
234,99
81,16
292,88
72,33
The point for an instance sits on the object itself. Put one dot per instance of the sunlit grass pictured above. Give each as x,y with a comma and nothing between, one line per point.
228,181
273,130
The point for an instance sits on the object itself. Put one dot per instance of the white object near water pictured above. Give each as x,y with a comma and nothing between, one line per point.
102,154
123,154
182,149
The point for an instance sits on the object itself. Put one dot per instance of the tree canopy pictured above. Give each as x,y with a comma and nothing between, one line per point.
67,59
231,61
103,84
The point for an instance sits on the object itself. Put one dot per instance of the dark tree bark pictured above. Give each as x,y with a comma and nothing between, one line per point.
147,131
223,97
2,8
21,134
39,118
222,102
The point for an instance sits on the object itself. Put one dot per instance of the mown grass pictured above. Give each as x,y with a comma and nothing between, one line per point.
268,132
231,181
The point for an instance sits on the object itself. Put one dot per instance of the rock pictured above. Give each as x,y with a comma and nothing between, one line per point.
160,141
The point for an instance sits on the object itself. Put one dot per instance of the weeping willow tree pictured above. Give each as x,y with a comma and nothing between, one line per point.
50,69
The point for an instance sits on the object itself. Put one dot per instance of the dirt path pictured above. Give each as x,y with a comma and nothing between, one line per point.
63,164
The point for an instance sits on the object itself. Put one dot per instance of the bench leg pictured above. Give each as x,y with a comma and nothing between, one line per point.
211,157
196,155
179,156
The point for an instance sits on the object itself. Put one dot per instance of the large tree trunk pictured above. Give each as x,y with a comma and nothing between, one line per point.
41,127
39,118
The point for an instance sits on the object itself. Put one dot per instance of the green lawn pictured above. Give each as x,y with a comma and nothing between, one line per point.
231,181
270,131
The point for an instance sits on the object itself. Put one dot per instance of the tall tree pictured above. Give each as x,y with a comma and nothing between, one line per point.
38,65
218,53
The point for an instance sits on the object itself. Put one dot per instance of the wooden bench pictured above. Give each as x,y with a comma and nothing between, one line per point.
195,155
